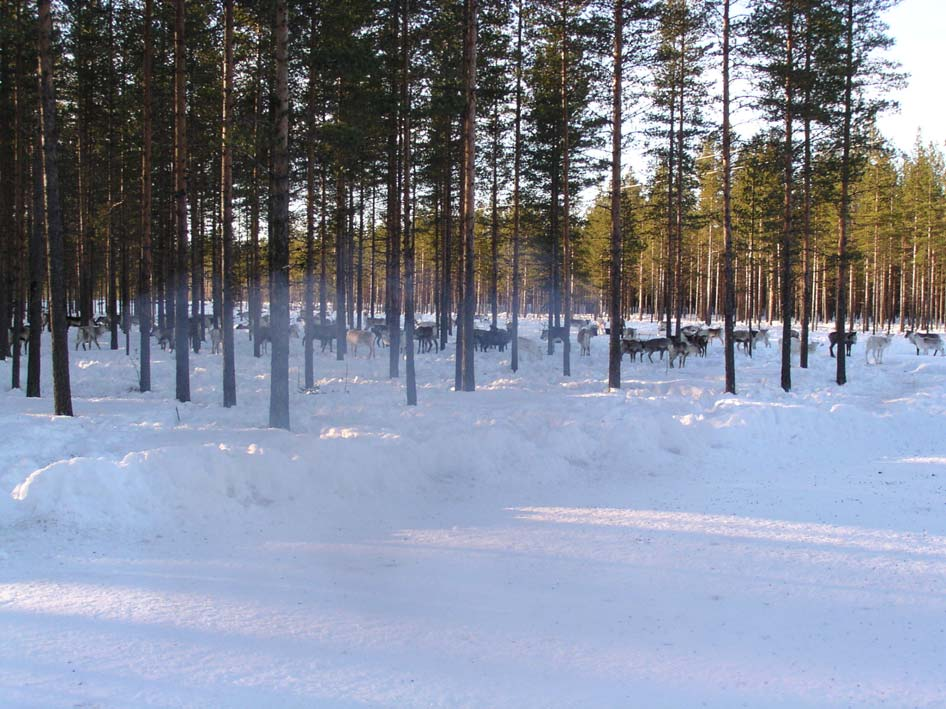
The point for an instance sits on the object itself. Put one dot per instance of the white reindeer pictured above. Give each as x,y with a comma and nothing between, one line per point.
926,342
876,344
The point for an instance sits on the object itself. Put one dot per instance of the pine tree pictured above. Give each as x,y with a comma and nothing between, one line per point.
279,238
62,392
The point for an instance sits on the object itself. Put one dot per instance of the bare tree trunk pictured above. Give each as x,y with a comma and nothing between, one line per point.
786,243
255,287
111,241
408,226
229,367
144,274
845,207
279,239
341,262
614,351
323,248
182,379
494,222
566,205
37,268
517,170
729,300
62,393
308,309
465,347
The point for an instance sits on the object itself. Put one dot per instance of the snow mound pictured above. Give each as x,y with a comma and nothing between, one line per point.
204,485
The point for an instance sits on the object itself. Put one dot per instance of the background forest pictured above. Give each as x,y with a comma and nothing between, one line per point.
166,161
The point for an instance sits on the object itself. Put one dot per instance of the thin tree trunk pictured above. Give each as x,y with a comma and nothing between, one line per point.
144,274
845,207
729,300
614,351
37,267
308,307
408,226
517,173
62,392
229,367
786,242
279,239
182,379
255,287
341,261
566,206
465,348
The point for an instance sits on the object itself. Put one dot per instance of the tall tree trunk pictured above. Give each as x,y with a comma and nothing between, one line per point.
517,174
341,261
845,207
494,221
255,295
446,289
182,379
729,299
279,239
408,226
465,348
110,173
566,205
17,237
786,242
614,350
323,248
226,169
308,308
144,274
195,329
37,267
62,392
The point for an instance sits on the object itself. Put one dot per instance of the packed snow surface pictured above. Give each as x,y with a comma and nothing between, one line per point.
541,542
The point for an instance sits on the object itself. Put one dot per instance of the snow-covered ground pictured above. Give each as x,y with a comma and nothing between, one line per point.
538,543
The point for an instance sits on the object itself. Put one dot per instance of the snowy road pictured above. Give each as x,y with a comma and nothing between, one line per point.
536,545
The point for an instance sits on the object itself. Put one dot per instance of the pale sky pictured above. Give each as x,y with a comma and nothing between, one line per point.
919,27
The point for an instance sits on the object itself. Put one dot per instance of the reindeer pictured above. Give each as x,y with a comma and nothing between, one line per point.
355,338
264,336
876,344
681,349
584,340
424,333
89,334
925,341
633,348
216,338
713,333
18,341
655,344
165,338
849,339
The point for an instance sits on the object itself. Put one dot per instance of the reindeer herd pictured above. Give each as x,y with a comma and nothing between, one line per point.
693,340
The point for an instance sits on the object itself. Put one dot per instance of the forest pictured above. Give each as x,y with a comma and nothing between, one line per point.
176,167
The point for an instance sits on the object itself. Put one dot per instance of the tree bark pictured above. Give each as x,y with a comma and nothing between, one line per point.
845,207
614,350
279,239
465,347
181,329
37,268
517,174
226,169
411,379
144,274
786,242
62,393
